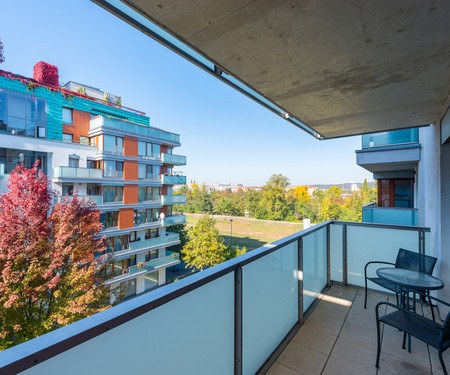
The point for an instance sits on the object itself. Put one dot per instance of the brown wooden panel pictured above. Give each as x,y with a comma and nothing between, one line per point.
130,170
130,146
126,218
130,194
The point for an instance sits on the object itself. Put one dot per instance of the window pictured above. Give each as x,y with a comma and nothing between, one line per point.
74,162
67,116
142,194
11,157
156,151
142,149
140,216
155,214
149,172
156,172
156,194
153,254
67,190
169,210
151,233
142,171
113,144
84,140
151,280
113,168
92,164
67,138
112,194
396,192
110,219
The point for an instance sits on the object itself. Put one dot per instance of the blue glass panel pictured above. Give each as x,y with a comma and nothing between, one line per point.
336,268
390,138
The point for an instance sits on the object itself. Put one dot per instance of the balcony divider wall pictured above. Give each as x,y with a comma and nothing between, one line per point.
238,316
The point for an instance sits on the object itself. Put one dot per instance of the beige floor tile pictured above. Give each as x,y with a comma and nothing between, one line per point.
390,365
302,359
372,301
339,291
314,338
357,357
392,344
362,318
335,366
324,323
359,335
332,308
279,369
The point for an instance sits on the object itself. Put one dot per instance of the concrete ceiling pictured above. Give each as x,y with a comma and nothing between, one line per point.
341,67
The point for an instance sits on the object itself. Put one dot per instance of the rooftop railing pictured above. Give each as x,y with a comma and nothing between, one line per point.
241,314
395,137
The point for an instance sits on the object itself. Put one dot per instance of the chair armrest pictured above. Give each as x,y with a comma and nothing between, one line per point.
425,295
413,314
375,262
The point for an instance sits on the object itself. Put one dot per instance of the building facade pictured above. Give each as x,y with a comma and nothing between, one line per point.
90,145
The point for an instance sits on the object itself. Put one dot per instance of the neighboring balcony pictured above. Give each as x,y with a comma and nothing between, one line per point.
173,220
390,215
173,180
77,173
173,159
169,259
145,245
97,199
270,308
397,137
173,199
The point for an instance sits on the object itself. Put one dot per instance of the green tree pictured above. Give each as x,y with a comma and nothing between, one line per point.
274,197
182,231
205,247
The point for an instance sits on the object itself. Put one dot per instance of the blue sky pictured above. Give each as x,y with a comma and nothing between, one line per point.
226,137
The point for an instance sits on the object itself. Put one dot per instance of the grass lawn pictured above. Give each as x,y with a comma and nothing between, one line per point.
249,233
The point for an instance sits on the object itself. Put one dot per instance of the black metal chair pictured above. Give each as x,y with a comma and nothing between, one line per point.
406,259
411,323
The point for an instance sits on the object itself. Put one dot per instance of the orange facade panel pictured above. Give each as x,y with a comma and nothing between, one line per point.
130,146
81,123
130,170
126,218
130,194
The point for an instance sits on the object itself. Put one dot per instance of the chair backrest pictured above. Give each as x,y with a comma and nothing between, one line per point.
411,260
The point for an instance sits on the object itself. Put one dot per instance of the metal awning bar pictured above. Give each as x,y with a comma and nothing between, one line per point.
143,24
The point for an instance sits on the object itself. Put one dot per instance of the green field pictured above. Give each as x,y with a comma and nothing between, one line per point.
247,232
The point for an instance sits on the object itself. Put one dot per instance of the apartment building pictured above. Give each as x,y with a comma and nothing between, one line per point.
89,144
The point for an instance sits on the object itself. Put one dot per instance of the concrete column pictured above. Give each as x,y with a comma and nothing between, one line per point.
162,276
140,284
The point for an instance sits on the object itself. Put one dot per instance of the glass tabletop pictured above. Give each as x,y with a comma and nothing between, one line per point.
410,279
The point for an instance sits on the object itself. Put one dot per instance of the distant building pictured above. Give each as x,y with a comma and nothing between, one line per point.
87,142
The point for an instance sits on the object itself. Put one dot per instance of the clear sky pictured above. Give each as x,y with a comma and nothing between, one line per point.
226,137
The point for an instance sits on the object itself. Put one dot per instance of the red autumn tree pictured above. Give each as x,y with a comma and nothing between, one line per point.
48,275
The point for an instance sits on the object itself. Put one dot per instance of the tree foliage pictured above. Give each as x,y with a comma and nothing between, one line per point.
205,247
48,275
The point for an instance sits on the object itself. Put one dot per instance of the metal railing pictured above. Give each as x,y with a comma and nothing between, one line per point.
241,313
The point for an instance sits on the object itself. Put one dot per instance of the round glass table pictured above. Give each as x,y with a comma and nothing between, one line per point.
408,279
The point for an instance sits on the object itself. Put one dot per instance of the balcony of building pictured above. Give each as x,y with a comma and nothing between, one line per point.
173,220
269,311
397,150
173,199
102,124
169,259
97,199
371,213
173,180
72,173
173,159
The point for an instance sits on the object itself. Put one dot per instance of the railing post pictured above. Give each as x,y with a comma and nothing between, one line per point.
421,242
238,321
300,278
344,255
328,256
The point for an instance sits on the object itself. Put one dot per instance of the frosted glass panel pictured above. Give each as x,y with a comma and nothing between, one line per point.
270,304
365,244
336,268
193,334
314,266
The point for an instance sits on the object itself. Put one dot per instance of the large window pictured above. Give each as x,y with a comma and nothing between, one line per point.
396,193
113,168
22,114
146,171
113,144
146,216
110,219
149,149
112,194
67,138
11,157
67,116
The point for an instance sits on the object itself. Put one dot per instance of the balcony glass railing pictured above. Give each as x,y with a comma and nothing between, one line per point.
173,220
170,258
390,138
97,199
390,215
129,127
173,199
173,159
173,180
70,172
2,170
158,241
239,312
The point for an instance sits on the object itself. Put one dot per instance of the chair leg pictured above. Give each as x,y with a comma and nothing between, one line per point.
442,362
409,343
365,294
396,296
377,364
404,341
431,306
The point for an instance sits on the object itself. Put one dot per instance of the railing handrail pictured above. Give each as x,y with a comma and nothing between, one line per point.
39,349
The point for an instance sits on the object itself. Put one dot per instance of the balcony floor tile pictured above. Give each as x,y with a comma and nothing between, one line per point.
339,337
